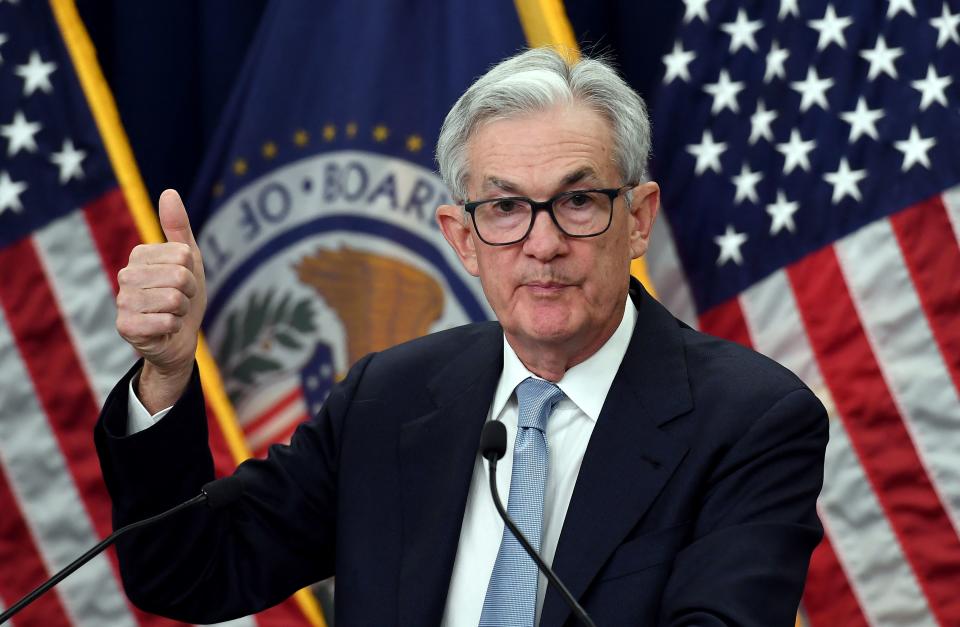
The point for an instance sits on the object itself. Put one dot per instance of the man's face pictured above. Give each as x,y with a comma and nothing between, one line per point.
551,290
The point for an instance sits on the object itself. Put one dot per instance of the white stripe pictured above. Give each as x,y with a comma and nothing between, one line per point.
50,501
243,621
74,270
868,550
667,275
909,358
294,413
951,200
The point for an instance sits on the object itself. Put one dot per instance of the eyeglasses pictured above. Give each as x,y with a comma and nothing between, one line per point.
577,213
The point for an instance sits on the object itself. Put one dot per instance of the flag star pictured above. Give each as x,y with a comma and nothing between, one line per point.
830,28
775,60
862,121
796,152
932,88
915,149
724,93
707,153
788,7
895,6
3,40
695,8
677,63
813,90
19,134
946,26
882,59
760,123
36,74
10,193
730,243
69,160
844,182
746,183
781,214
742,32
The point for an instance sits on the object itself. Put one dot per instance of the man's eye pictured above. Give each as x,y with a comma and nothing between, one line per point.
506,206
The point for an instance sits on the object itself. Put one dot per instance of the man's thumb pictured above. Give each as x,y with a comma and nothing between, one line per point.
174,220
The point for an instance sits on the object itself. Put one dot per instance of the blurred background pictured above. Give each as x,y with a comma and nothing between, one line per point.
809,159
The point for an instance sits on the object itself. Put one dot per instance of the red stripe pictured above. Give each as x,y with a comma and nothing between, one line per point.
286,614
727,321
113,230
877,432
291,397
933,258
828,598
283,437
57,375
23,568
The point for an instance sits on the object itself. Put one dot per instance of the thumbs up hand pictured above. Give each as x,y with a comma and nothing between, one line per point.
160,306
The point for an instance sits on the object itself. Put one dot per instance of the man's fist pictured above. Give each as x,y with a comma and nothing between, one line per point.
160,305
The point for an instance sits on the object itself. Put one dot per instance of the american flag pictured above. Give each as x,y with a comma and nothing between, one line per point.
809,154
65,231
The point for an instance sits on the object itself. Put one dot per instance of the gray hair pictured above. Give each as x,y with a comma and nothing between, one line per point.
537,80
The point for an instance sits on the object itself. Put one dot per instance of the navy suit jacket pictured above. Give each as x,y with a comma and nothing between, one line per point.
695,503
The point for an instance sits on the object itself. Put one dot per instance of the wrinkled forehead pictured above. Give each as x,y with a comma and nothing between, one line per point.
543,151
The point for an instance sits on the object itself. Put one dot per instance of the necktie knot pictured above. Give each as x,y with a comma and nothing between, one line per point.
537,399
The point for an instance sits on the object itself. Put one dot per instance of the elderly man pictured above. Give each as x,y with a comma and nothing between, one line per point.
669,477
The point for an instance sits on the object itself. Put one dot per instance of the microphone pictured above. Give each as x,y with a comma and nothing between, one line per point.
493,445
216,494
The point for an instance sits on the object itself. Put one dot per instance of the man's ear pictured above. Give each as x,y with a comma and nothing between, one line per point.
645,203
456,229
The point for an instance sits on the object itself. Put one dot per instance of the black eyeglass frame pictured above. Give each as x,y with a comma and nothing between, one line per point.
546,205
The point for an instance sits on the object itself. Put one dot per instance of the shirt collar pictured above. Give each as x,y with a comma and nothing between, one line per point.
587,383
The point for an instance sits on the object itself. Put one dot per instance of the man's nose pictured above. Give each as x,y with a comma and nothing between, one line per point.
545,240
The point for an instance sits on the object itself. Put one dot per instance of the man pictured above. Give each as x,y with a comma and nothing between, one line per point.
669,477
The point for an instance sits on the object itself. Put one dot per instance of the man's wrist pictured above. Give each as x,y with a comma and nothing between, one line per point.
158,389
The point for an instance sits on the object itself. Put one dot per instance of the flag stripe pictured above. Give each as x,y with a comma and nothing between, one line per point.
908,357
726,320
18,547
63,391
932,256
827,597
113,232
41,482
951,202
65,248
861,537
875,428
667,276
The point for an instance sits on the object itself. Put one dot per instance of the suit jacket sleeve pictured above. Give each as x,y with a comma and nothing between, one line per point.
205,566
757,525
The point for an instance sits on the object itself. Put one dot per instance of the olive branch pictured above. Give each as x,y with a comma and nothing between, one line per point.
253,332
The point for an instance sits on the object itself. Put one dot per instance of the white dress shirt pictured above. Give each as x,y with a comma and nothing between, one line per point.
569,428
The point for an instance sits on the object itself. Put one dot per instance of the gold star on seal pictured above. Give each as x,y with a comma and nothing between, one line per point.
218,190
329,132
380,133
239,167
352,130
269,150
414,143
301,137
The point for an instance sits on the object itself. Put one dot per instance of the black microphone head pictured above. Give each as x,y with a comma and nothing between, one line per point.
223,492
493,440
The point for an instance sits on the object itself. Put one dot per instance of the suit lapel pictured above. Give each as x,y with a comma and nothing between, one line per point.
628,459
437,455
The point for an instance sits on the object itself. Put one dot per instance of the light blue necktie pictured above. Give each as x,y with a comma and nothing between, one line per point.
511,599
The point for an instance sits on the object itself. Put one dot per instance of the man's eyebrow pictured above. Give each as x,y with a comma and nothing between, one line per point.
579,175
506,186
